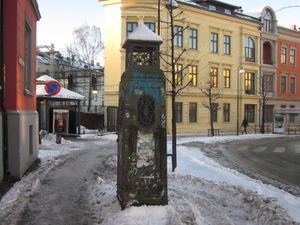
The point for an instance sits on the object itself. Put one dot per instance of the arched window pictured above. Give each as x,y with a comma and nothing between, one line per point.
267,53
249,49
267,20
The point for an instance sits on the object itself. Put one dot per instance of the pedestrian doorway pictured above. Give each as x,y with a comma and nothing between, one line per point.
112,115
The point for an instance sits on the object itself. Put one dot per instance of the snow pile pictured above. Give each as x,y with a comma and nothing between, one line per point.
198,201
223,139
110,212
84,130
192,200
49,148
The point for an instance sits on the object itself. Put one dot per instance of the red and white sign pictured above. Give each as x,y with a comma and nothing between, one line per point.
52,87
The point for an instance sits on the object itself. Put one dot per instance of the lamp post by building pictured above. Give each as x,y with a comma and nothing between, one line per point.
171,5
240,72
158,17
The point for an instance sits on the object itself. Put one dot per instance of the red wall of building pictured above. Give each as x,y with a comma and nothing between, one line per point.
288,68
15,14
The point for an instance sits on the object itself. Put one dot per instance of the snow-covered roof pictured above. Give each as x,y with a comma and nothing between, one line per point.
143,33
214,2
172,3
42,59
237,10
45,58
63,94
45,79
256,14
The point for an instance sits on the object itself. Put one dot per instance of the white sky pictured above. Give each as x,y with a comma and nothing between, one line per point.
60,17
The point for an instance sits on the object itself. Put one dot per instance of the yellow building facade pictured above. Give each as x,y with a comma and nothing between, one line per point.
222,47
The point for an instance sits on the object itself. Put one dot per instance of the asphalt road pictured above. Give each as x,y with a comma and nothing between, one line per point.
276,158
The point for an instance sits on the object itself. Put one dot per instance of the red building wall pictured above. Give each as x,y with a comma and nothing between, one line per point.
290,39
16,12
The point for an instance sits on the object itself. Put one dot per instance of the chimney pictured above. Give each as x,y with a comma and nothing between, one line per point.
294,27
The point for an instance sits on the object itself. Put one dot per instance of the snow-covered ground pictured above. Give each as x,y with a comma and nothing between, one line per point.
200,191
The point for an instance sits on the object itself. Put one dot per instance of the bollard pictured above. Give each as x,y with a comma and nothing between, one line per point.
58,138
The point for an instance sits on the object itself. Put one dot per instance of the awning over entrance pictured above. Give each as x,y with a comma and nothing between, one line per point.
63,106
63,94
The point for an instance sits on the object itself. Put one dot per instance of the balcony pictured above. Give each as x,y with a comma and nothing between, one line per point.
268,62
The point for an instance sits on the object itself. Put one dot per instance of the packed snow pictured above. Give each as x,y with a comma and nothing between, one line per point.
143,33
201,191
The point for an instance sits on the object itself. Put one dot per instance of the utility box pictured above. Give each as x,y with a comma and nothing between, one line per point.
142,158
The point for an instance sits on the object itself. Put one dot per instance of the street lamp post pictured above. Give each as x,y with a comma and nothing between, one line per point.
240,71
171,5
158,17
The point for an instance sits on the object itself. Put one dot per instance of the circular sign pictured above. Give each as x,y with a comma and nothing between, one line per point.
52,87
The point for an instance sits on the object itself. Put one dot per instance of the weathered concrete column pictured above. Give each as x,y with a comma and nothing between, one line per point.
142,162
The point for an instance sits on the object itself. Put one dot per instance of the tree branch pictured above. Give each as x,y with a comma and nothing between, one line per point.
183,87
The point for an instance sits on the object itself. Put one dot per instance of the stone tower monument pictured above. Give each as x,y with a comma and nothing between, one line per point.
142,162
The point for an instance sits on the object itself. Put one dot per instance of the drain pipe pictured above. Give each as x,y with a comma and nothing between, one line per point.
2,74
1,53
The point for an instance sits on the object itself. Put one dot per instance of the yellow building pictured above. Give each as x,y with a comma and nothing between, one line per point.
222,48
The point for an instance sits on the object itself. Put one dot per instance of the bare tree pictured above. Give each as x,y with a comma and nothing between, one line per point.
213,106
87,44
264,94
174,74
70,52
86,47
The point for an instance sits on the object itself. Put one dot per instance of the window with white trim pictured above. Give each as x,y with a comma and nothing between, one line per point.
250,112
150,25
293,85
193,42
292,56
193,75
249,49
283,55
226,112
28,80
214,76
226,75
193,112
178,111
283,84
249,83
214,42
178,36
227,45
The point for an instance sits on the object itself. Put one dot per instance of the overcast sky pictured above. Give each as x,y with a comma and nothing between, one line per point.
60,17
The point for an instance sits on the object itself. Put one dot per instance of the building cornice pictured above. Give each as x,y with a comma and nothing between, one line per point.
36,9
237,16
288,32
